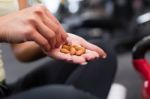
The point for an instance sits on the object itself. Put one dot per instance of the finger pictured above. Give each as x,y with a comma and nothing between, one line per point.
59,40
49,14
95,54
89,55
64,35
50,23
52,42
95,48
47,33
78,59
41,41
55,28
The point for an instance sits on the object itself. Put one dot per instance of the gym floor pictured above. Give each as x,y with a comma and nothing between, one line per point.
126,74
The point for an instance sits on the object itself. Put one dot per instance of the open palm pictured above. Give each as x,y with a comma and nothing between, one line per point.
92,51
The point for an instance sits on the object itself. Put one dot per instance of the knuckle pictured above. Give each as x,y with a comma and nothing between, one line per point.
31,19
44,43
57,29
64,36
29,32
52,35
39,9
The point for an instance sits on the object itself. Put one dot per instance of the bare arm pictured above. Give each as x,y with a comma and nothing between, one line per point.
22,4
36,25
28,51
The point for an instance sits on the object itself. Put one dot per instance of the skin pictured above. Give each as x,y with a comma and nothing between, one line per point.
34,50
92,51
22,4
40,34
35,24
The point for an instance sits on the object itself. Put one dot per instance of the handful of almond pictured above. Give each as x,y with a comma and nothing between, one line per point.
73,49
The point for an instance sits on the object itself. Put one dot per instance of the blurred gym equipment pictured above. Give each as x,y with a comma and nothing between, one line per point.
141,64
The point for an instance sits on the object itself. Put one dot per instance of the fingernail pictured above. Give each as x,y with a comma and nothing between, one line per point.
104,56
97,57
85,63
69,60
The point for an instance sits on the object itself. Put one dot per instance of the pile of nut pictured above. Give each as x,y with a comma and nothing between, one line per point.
72,49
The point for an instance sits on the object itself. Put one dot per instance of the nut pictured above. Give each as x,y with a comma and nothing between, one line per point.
73,49
77,47
80,52
64,51
66,47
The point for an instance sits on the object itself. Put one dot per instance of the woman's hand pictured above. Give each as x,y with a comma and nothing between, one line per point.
32,24
92,51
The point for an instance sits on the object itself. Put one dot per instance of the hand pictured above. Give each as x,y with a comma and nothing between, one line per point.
92,51
32,24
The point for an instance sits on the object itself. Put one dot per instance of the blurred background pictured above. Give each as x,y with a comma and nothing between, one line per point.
122,22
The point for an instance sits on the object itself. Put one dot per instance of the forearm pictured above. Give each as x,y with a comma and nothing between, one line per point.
22,4
27,52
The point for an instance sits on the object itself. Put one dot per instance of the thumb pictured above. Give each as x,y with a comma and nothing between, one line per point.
95,48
